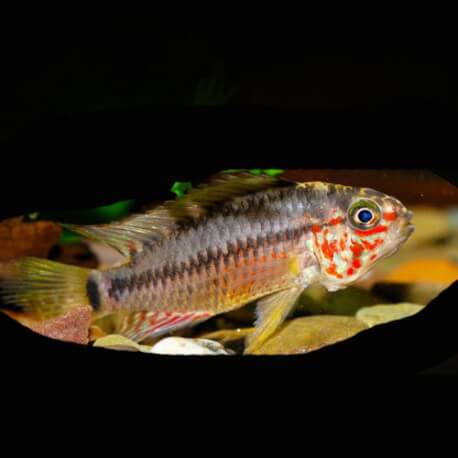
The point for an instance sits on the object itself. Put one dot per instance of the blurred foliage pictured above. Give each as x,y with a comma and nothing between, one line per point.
270,172
98,215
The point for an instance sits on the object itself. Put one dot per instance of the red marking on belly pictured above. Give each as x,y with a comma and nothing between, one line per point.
350,271
316,228
282,255
357,249
335,221
372,246
332,271
152,318
376,230
390,216
356,263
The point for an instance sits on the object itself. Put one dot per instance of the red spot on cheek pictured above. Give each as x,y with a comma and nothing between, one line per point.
356,249
372,246
332,271
374,256
356,263
350,271
376,230
316,228
335,221
390,216
329,249
342,244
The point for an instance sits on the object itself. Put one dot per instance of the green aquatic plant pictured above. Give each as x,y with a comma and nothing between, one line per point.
181,187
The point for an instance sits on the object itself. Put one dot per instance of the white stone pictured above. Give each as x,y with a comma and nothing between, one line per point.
184,346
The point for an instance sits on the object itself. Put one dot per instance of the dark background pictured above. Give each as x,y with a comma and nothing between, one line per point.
88,122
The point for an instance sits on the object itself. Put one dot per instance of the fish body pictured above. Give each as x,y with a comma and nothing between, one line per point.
239,239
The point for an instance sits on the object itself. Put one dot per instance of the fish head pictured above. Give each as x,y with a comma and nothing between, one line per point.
361,227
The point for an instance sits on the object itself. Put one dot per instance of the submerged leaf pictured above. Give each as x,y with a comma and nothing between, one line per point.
19,238
306,334
117,342
384,313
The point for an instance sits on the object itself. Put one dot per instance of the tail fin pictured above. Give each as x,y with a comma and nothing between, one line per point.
45,287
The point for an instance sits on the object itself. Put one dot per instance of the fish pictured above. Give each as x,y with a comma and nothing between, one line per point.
236,239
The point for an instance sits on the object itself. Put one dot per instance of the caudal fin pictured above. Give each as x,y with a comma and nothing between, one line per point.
46,287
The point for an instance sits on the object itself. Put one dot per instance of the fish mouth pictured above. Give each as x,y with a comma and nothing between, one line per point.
408,230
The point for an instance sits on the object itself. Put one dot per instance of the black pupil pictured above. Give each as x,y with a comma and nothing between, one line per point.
365,216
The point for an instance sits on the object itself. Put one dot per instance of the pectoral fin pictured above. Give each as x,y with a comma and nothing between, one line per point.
271,312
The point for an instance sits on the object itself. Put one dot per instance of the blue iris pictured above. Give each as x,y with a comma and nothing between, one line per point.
365,216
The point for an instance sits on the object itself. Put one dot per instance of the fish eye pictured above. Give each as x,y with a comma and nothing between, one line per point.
364,214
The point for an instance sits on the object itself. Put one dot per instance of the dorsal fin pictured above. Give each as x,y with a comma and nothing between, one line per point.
131,234
219,189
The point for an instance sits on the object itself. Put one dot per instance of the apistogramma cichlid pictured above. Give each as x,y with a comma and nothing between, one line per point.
236,239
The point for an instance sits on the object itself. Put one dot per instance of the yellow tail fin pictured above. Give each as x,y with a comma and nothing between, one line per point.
46,287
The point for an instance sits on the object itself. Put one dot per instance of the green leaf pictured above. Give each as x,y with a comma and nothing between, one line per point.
181,187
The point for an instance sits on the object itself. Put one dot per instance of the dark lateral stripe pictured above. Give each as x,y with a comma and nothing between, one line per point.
235,250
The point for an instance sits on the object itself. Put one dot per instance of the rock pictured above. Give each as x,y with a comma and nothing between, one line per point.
384,313
183,346
72,326
19,238
166,346
302,335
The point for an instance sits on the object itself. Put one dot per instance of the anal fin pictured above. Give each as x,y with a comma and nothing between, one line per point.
137,326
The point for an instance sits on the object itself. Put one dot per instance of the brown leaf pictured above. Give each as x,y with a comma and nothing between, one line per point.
72,326
19,238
